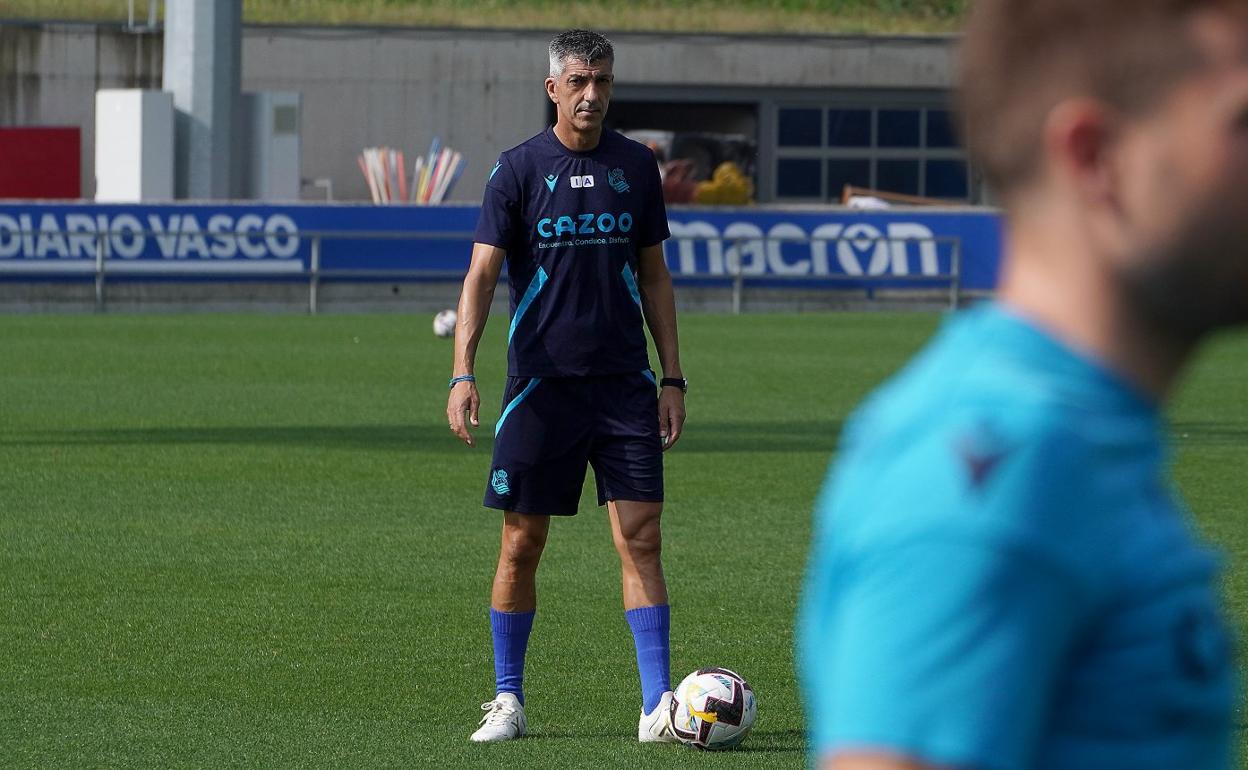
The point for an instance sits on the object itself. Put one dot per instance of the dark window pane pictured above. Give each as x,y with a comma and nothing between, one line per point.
849,128
899,128
798,178
947,179
848,171
801,127
898,176
940,131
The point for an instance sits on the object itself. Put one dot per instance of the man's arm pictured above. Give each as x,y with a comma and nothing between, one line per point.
658,303
464,403
938,650
868,761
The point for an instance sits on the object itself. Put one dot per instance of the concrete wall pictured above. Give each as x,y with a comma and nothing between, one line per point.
49,75
480,90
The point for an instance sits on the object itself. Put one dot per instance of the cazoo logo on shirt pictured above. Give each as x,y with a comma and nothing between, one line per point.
584,224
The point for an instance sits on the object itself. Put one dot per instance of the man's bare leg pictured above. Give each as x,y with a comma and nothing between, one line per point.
513,603
515,580
639,541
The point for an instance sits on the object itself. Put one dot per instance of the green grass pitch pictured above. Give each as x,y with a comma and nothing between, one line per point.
240,541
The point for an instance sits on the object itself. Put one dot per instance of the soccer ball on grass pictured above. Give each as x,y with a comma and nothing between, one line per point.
713,708
444,323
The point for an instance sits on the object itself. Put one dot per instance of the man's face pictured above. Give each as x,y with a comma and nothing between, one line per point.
1184,191
581,93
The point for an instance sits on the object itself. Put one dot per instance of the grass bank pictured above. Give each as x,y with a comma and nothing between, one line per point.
758,16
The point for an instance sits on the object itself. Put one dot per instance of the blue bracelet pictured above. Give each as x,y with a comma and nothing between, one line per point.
462,378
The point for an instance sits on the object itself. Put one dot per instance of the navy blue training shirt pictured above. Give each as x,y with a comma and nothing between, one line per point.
572,224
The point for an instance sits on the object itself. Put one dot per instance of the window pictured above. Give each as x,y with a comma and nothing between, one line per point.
799,178
851,171
940,133
947,179
899,176
801,127
899,128
911,150
849,128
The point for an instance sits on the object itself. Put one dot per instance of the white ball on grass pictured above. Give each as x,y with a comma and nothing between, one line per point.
444,323
713,709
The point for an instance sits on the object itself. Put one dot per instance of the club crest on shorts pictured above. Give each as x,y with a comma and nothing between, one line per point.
499,482
616,179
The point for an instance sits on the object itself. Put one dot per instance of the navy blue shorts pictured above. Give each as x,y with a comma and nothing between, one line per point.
552,428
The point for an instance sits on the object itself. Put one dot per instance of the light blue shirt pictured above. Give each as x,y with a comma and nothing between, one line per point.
1002,576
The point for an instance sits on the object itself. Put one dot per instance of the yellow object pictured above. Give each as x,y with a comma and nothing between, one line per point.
726,186
705,716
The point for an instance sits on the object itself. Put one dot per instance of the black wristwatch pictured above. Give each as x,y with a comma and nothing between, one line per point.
675,382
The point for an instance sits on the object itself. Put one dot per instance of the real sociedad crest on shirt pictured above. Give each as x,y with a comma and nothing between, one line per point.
616,179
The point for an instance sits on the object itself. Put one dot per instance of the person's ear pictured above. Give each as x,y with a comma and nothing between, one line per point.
1079,141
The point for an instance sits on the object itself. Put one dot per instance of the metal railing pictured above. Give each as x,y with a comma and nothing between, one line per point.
105,267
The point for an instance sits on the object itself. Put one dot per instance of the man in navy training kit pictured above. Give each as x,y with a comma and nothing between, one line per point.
578,214
1003,576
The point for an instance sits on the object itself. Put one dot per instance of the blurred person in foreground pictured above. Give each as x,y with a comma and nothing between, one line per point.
1002,574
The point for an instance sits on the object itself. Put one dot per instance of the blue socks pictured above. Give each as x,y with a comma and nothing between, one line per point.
511,640
651,627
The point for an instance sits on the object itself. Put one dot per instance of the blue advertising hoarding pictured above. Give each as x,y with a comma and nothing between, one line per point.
242,239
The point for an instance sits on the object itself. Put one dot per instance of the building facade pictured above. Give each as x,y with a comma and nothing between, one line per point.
819,111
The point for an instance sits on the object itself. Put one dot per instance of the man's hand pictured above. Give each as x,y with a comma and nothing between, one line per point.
463,407
671,415
474,307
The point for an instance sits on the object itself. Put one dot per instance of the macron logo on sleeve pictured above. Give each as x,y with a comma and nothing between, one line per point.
982,452
494,171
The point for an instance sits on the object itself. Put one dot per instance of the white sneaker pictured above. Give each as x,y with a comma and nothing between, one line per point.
503,721
656,727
